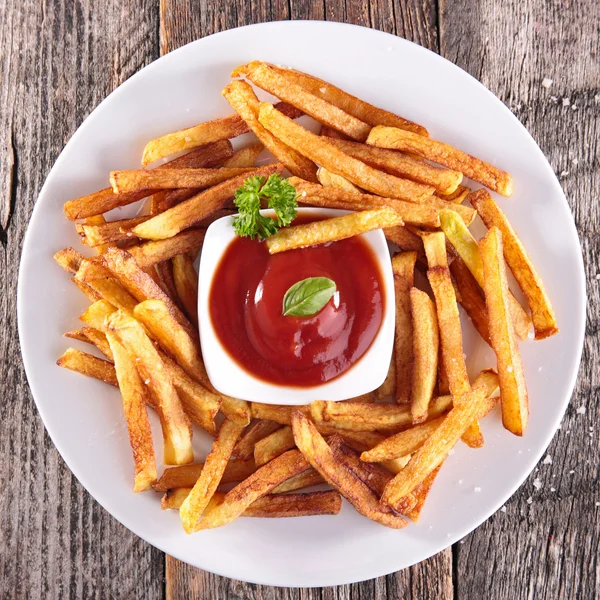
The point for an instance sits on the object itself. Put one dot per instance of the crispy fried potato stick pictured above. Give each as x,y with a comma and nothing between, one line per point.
458,196
515,401
69,259
281,84
199,207
92,221
323,460
105,200
466,213
186,284
331,230
98,234
420,494
405,240
88,365
95,314
443,154
321,151
214,466
435,449
273,445
243,100
298,482
204,133
150,253
331,180
259,484
245,157
255,432
403,266
134,394
544,320
176,428
402,165
466,245
354,106
425,353
98,339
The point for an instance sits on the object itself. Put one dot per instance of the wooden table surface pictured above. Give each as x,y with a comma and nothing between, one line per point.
59,59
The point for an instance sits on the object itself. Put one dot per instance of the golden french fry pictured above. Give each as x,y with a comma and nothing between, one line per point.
329,179
255,432
298,482
447,311
331,133
196,502
69,259
420,494
351,104
273,445
323,460
95,314
443,154
388,387
243,100
150,253
425,353
405,240
98,339
544,320
435,449
397,163
88,365
281,84
105,200
424,214
202,134
257,485
466,213
176,428
244,157
187,475
466,245
162,274
515,402
186,284
403,266
331,230
321,151
197,208
458,196
109,232
77,334
134,394
356,417
96,220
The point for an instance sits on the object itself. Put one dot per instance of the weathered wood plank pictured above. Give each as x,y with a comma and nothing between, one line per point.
549,548
58,60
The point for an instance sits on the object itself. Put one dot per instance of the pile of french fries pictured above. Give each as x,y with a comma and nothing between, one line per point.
381,451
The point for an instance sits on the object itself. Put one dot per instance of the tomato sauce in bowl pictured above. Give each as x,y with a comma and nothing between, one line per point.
246,300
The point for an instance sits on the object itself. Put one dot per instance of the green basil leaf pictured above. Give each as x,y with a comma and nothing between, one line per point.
307,297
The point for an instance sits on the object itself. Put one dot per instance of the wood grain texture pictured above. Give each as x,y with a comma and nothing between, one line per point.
57,62
550,547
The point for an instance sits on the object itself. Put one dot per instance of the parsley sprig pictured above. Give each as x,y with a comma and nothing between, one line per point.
280,195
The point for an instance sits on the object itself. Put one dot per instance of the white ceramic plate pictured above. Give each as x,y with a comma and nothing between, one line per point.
84,417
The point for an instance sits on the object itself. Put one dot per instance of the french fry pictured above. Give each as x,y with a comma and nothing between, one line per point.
331,180
164,179
273,445
458,196
69,259
186,284
423,215
443,154
323,460
139,284
175,425
351,104
105,200
255,432
331,133
281,84
164,278
257,485
187,475
544,320
197,208
98,339
96,220
202,134
515,402
466,245
371,417
403,266
321,151
88,365
298,482
134,394
244,157
447,312
435,449
77,334
150,253
243,100
110,232
396,163
388,387
420,494
331,230
405,240
214,466
466,213
425,353
95,314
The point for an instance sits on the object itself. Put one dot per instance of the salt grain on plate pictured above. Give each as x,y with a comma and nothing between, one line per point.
546,82
460,481
581,410
477,489
147,381
566,102
547,460
510,368
451,451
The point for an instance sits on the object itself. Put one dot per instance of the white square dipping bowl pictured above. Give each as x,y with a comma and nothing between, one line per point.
231,379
